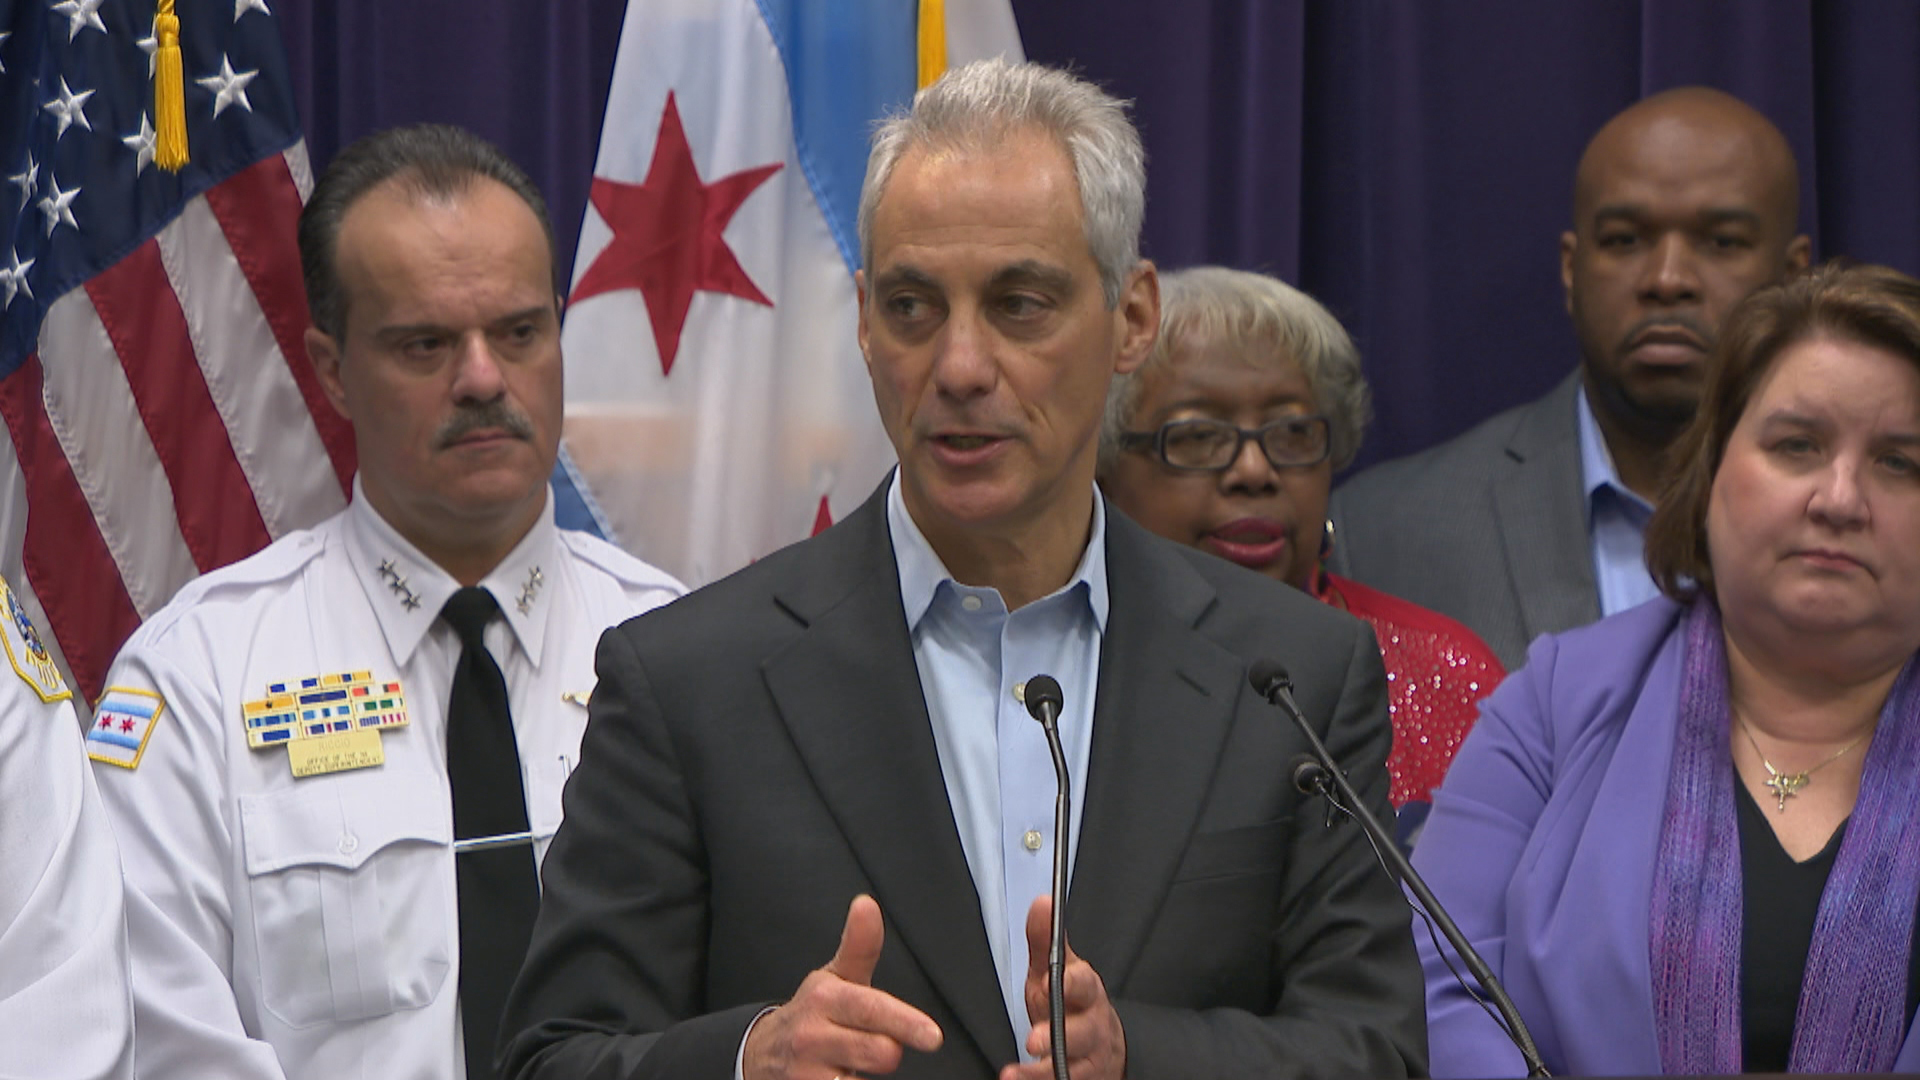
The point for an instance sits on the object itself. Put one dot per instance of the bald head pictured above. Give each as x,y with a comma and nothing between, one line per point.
1682,205
1693,130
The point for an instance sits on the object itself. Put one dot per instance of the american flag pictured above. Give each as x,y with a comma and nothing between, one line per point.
163,417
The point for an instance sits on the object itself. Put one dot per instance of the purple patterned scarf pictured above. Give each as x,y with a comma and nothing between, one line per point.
1852,1015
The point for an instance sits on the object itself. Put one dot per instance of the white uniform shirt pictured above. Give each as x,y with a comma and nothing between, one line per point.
64,1007
319,914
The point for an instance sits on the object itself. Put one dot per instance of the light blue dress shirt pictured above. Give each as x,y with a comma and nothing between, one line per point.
1616,522
974,658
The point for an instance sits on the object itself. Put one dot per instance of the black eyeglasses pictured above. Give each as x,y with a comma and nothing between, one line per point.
1212,445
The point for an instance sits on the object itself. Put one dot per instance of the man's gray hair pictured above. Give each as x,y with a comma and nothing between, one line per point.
973,108
1265,322
434,161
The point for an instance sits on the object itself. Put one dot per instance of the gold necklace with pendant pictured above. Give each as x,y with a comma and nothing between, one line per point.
1786,785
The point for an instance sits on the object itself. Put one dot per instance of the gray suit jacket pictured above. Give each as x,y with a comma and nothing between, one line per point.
759,752
1489,528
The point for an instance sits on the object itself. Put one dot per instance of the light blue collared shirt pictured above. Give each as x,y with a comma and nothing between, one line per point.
975,657
1616,522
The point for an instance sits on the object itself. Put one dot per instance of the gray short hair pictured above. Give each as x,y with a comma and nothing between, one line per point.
1264,320
971,108
434,161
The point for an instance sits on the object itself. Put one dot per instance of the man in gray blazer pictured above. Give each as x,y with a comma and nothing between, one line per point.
811,829
1531,522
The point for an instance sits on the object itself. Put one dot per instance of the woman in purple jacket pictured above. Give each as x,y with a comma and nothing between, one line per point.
1688,837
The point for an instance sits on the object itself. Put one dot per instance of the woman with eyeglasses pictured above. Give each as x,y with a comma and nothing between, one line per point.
1227,439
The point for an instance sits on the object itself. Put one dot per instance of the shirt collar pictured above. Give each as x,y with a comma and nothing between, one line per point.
1597,474
407,590
922,572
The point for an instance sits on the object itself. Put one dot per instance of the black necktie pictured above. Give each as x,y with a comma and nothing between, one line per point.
499,890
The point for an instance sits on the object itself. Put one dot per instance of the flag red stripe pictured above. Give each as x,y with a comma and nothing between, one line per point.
88,610
211,496
258,209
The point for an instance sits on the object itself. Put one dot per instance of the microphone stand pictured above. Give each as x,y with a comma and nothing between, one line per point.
1044,701
1324,777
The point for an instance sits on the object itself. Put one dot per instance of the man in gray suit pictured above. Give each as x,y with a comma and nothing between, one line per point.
811,831
1531,522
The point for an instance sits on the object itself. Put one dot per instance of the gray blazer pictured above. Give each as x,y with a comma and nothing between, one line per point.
759,752
1489,528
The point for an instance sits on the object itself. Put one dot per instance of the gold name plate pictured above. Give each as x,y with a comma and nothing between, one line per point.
335,753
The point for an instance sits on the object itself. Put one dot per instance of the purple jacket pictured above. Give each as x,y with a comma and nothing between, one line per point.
1541,845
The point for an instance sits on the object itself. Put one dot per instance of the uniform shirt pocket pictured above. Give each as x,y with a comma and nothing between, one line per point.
350,885
546,780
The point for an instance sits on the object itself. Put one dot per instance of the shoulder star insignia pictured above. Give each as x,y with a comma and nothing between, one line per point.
530,590
397,583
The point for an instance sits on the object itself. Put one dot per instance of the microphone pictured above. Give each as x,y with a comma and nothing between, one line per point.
1310,777
1044,701
1321,775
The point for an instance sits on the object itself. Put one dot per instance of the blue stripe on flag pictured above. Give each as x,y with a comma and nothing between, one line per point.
116,738
847,63
131,706
573,504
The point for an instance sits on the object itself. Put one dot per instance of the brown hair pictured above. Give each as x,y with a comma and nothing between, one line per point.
1872,305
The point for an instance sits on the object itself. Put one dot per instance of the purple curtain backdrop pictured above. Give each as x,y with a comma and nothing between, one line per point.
1409,162
530,77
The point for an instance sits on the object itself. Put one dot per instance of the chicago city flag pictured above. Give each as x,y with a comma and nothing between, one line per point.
717,406
162,417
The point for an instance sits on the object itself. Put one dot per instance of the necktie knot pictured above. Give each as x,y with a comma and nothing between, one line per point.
468,611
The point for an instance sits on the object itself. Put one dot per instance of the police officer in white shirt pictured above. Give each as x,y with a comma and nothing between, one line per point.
64,1008
317,789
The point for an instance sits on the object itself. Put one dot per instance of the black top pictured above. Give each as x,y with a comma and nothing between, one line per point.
1780,899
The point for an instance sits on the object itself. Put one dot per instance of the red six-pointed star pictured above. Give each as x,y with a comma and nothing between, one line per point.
667,238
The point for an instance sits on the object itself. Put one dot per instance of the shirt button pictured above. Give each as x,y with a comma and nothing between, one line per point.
349,844
1020,692
1033,840
970,603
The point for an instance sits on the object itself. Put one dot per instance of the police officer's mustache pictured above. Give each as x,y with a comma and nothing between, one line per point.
494,415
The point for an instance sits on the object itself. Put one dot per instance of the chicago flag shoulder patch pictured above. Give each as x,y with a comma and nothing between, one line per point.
122,724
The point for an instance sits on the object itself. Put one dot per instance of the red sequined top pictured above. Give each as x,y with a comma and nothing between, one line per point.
1437,672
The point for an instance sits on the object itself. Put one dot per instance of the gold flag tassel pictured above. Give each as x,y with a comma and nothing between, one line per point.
169,93
933,41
